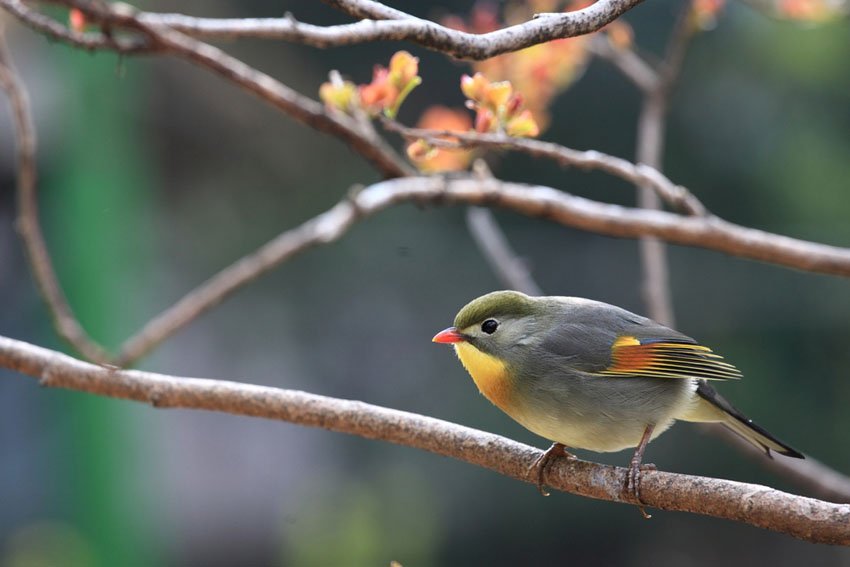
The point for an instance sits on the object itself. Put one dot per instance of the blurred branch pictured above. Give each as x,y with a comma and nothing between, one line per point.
28,225
535,201
677,196
652,124
655,84
650,144
511,270
393,25
816,478
629,63
760,506
493,243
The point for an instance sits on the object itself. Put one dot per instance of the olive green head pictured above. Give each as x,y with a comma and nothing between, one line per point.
495,305
496,323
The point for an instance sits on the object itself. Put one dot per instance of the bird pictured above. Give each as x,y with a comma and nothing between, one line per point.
588,375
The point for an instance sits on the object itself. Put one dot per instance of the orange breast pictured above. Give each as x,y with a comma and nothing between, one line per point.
488,372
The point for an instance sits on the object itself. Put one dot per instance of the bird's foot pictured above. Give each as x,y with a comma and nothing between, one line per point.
632,487
538,468
633,477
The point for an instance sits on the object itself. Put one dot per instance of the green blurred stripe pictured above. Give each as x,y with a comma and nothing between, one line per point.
97,201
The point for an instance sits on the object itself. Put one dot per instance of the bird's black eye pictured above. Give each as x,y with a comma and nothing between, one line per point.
489,326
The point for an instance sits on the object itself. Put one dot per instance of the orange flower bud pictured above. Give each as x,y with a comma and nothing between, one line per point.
380,94
540,72
475,87
404,68
498,94
77,20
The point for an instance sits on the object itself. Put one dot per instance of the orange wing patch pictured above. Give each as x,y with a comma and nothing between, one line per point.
667,359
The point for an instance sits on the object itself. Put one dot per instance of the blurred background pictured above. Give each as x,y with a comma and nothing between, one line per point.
155,174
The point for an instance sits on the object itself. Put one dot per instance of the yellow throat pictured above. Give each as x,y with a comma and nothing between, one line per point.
488,372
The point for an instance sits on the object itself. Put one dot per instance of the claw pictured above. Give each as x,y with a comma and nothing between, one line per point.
538,468
633,474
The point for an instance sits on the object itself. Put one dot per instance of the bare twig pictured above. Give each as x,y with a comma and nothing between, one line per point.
655,86
650,144
706,232
650,149
798,516
677,196
493,243
28,225
677,47
395,25
629,63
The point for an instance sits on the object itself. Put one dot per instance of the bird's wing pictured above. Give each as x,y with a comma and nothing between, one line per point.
608,341
666,358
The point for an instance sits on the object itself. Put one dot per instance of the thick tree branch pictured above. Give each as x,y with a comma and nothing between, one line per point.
706,232
387,24
798,516
28,224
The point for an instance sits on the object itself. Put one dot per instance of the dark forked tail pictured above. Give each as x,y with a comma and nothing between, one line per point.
715,408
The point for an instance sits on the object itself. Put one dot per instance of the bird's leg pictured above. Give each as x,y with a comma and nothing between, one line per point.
538,468
633,476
